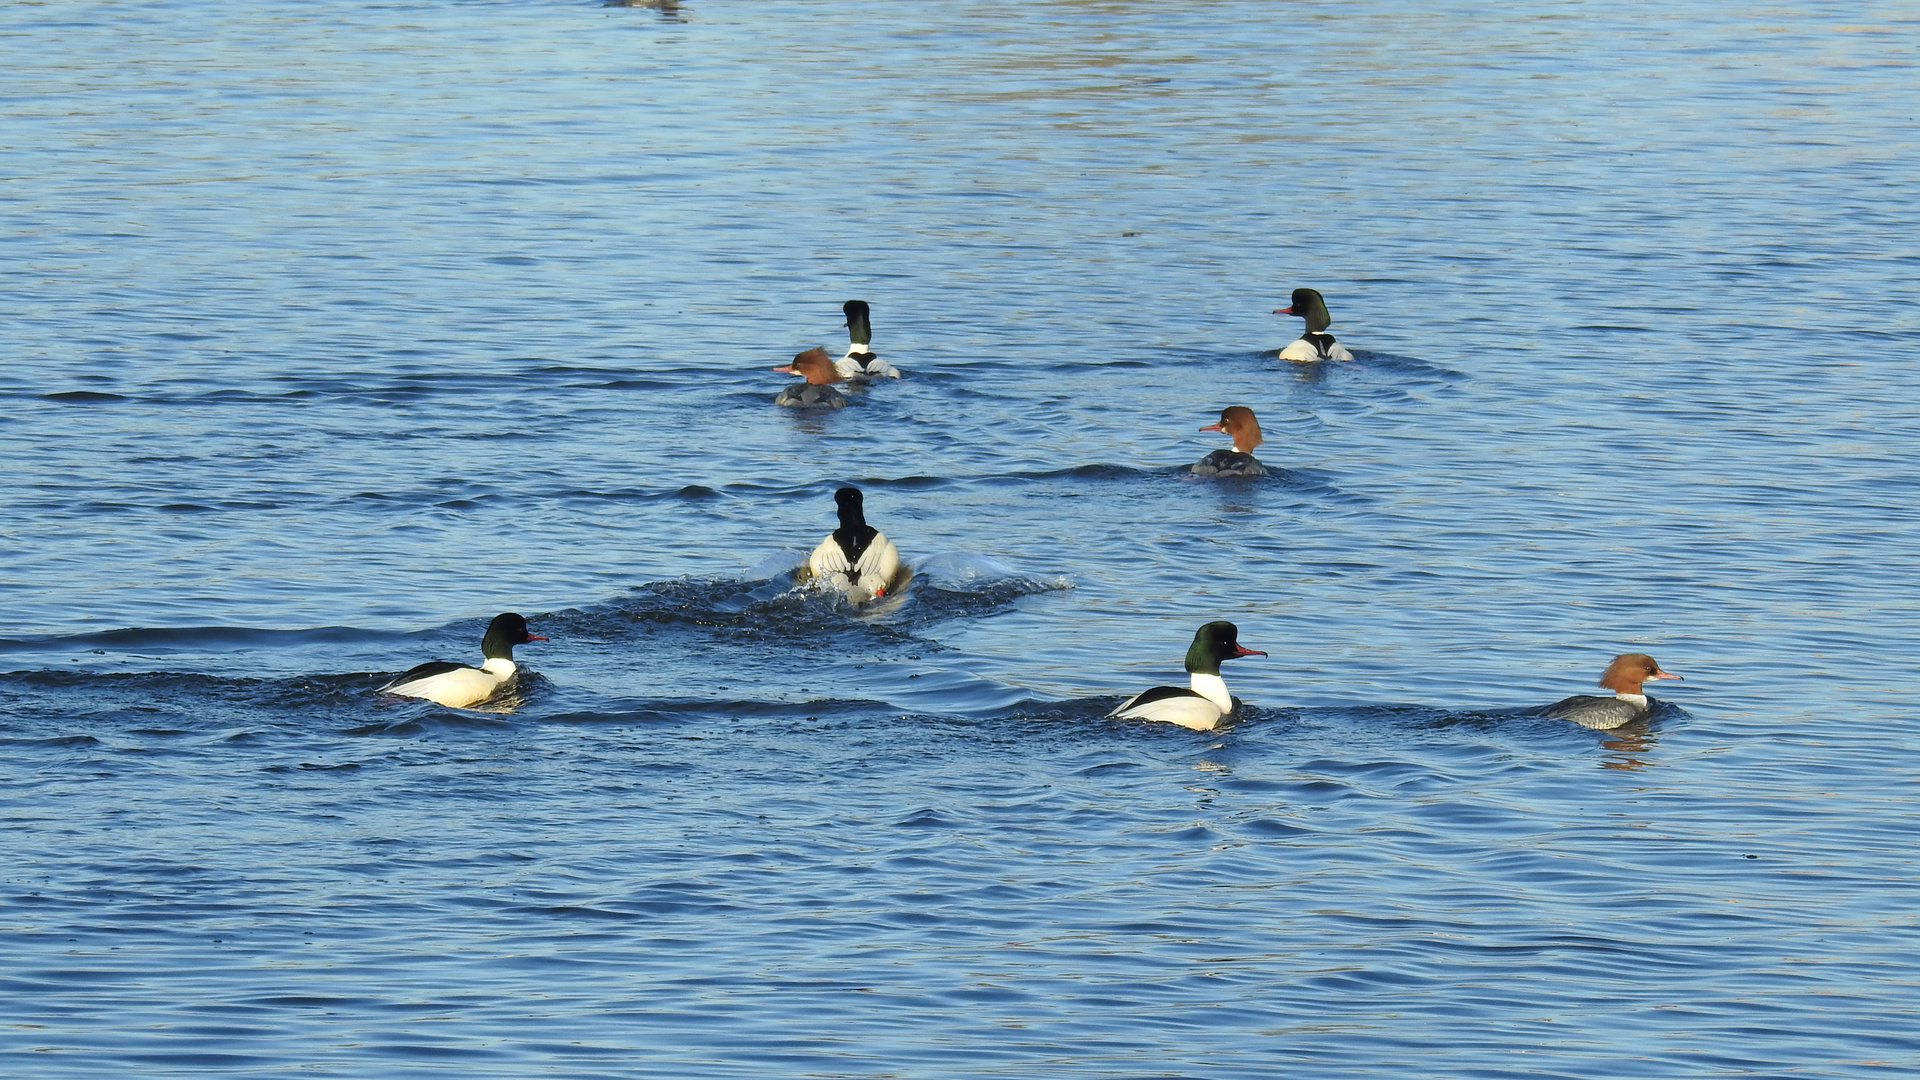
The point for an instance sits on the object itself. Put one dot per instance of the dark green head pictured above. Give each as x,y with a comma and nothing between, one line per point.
1308,305
503,633
858,330
1213,643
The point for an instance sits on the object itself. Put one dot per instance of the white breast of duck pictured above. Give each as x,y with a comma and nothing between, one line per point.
455,685
1201,708
462,686
1204,702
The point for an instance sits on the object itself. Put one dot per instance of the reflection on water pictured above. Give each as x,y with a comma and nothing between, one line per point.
670,10
1628,744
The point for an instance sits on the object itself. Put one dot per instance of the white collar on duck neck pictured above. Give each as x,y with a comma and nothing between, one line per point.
1213,688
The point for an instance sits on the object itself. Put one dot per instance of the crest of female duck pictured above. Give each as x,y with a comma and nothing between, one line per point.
1236,422
860,362
1627,704
1202,705
816,367
461,686
856,558
1316,343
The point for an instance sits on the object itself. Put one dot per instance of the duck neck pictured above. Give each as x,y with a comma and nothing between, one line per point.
859,330
1636,697
1213,688
500,666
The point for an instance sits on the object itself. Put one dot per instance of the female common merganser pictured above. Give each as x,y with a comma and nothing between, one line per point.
1316,343
460,686
1202,707
817,392
856,558
860,362
1627,704
1237,422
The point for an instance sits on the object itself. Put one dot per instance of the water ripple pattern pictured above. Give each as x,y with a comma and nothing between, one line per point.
337,328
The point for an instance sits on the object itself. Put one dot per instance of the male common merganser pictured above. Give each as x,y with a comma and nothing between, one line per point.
817,392
860,362
856,558
1627,704
1202,707
1237,422
460,686
1316,343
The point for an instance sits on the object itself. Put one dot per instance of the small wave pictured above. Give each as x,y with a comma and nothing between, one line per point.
693,492
963,571
152,682
681,710
1087,472
161,639
1384,361
442,719
53,741
952,584
85,397
772,611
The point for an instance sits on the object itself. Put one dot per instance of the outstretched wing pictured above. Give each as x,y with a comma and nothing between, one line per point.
878,564
828,559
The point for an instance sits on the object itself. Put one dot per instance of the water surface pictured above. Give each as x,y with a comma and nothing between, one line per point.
338,328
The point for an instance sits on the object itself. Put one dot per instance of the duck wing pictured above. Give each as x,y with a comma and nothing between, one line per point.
1171,705
1229,463
1589,710
1148,697
426,671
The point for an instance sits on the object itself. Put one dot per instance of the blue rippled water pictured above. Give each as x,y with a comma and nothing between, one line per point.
337,328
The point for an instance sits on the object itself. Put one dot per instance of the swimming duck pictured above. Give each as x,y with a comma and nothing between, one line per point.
1202,707
1627,704
1237,422
860,362
461,686
856,558
1316,343
817,392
